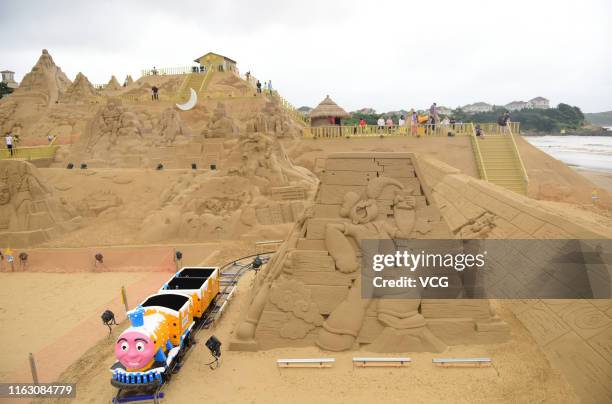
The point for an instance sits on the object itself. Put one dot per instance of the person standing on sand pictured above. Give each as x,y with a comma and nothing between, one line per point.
401,121
433,116
362,125
154,93
381,123
9,143
258,86
414,122
270,86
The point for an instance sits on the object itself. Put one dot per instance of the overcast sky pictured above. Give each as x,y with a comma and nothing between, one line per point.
382,54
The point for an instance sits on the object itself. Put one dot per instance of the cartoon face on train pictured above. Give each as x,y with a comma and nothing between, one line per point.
134,349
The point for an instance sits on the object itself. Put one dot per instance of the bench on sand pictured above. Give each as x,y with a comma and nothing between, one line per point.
306,363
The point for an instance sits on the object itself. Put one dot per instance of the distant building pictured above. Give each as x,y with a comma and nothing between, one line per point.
516,105
304,110
444,111
477,107
365,111
8,77
217,62
538,103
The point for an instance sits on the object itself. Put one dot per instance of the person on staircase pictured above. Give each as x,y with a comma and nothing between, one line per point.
502,121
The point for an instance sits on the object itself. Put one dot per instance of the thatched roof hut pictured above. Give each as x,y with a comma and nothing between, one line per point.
327,113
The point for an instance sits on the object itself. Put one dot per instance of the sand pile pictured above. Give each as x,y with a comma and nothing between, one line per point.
80,91
30,212
113,84
45,83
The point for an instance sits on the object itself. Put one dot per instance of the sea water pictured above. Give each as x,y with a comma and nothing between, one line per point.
587,152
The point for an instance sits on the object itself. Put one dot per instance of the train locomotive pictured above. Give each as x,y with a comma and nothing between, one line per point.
162,328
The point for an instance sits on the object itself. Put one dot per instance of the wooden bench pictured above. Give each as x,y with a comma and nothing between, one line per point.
306,363
463,362
381,362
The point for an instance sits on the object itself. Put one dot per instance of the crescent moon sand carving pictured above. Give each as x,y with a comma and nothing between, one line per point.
193,99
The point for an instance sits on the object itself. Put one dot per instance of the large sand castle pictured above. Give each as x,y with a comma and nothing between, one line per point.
236,170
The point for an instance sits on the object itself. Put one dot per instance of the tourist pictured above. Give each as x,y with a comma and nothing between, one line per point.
258,86
452,122
381,123
9,143
479,132
362,125
502,121
154,93
154,71
401,121
433,116
270,86
414,122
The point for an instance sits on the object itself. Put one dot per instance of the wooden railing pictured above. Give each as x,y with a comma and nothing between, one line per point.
331,132
170,71
291,109
478,154
30,153
495,129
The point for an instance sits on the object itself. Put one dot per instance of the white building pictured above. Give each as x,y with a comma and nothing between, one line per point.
538,103
8,77
444,111
477,107
516,105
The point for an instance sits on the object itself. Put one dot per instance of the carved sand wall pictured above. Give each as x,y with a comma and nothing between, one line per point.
30,212
575,335
309,294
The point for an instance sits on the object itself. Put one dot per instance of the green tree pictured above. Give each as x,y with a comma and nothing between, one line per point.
5,90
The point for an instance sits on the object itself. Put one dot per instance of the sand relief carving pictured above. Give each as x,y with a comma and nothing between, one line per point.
404,325
27,205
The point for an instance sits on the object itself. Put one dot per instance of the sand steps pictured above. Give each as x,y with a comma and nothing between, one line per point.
500,162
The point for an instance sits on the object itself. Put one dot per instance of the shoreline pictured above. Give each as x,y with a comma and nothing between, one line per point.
602,179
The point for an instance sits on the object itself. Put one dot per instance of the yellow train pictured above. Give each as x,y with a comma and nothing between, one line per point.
162,328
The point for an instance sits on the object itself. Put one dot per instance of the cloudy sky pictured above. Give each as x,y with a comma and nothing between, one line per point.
377,53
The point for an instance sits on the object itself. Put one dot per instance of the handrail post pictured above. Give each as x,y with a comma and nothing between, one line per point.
478,153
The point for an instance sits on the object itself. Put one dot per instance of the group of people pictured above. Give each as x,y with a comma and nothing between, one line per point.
8,256
266,86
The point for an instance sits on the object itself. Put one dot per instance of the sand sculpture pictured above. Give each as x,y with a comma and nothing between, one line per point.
113,84
310,292
79,91
45,83
128,80
272,118
220,124
258,186
30,212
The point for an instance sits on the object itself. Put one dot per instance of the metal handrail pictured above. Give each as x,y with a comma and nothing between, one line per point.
517,155
479,158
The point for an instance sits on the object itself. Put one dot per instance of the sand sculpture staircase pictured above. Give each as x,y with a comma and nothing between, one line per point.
197,81
499,160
